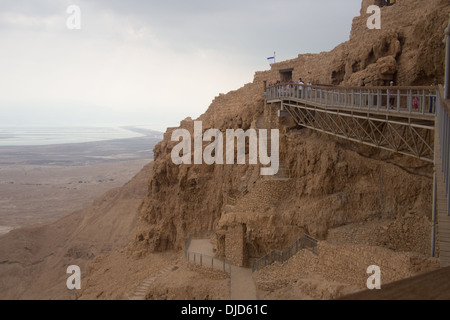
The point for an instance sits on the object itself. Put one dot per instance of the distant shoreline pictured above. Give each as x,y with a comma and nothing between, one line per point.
81,153
5,230
50,136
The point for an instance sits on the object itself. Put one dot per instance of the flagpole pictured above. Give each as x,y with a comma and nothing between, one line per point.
274,58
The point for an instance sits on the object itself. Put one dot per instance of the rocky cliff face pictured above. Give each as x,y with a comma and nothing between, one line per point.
186,198
407,49
411,34
332,183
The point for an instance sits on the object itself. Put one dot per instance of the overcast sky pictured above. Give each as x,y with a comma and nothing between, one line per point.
148,62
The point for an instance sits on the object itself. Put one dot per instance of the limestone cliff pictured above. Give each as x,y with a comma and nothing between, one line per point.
407,49
186,198
332,183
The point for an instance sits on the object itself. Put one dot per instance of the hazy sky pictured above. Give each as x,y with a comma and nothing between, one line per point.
148,62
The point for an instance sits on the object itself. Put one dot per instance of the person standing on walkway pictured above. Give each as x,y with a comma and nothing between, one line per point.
291,87
309,84
391,95
433,93
416,103
300,87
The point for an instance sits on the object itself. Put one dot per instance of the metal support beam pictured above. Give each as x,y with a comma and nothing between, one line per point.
282,113
433,229
366,116
447,62
399,135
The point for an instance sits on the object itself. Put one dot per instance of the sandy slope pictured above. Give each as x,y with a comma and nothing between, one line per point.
32,194
34,260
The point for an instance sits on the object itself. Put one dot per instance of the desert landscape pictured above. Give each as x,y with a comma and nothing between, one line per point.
46,194
362,205
39,184
36,194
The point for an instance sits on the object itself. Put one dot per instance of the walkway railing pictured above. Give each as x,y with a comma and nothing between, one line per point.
397,119
202,259
206,260
304,242
404,100
443,118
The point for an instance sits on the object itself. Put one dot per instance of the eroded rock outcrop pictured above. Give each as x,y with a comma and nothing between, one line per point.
411,34
186,198
333,183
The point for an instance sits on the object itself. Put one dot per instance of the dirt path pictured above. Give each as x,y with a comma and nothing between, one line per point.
202,246
242,284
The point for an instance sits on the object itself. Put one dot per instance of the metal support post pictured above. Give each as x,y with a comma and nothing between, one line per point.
447,62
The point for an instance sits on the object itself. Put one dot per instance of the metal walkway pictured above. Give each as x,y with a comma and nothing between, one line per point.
442,177
391,118
413,121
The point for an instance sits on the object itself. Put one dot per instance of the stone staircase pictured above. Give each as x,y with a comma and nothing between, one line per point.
232,200
282,174
141,290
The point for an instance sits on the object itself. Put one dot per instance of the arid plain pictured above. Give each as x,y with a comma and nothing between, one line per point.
39,184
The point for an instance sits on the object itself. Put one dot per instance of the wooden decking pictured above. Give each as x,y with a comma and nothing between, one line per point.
443,219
